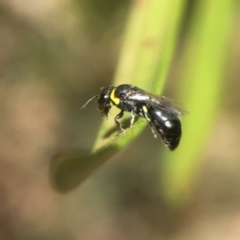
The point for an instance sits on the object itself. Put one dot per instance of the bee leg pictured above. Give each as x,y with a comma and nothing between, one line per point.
120,115
149,121
132,119
152,129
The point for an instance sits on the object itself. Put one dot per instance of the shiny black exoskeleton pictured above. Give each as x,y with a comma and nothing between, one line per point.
157,110
167,125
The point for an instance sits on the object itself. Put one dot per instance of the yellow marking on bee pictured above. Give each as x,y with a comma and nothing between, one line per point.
145,109
115,99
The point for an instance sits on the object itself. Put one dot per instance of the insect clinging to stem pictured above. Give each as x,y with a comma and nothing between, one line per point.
161,114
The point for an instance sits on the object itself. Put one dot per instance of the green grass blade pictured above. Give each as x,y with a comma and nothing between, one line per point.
203,81
148,47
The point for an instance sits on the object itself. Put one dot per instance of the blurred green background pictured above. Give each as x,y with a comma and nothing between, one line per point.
55,55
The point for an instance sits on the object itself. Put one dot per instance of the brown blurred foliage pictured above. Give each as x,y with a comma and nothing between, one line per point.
53,56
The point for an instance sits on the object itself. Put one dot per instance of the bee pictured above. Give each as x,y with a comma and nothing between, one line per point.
162,115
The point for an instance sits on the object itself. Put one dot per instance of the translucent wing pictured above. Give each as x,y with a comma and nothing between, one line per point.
160,102
164,102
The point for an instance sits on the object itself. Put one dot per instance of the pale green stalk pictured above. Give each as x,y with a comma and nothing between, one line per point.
147,49
203,74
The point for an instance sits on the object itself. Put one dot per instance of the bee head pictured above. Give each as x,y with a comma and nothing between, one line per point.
104,100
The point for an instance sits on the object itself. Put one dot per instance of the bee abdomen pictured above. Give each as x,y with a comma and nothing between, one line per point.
168,125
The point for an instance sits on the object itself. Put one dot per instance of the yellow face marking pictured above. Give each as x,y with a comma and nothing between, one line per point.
115,99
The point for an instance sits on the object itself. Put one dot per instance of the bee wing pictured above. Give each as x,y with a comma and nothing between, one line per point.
165,102
160,102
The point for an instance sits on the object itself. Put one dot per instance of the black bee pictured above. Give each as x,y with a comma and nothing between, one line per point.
159,111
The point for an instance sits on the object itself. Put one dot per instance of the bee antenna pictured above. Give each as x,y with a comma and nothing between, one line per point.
97,96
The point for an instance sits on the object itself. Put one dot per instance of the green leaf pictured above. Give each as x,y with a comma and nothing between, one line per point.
203,80
148,46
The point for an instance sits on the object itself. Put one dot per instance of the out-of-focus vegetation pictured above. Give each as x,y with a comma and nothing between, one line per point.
144,61
55,55
203,73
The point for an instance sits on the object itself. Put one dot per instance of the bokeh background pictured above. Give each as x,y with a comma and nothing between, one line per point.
54,55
